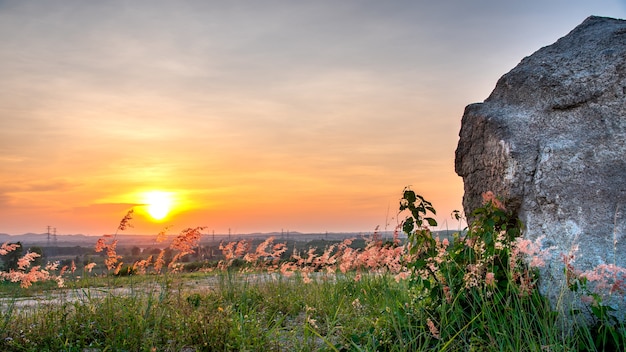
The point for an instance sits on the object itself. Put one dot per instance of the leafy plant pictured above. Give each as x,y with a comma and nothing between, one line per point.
456,278
606,331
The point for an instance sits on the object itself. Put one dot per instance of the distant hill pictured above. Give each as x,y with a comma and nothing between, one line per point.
144,241
41,239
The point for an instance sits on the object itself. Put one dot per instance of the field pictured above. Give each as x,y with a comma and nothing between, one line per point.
474,291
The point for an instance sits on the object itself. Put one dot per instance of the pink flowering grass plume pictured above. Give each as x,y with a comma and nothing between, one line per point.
489,197
490,279
53,266
24,262
305,277
231,251
60,281
112,257
440,257
118,268
228,250
141,266
160,261
89,267
403,275
278,250
572,274
531,250
101,245
309,259
35,274
8,247
376,257
396,235
287,269
261,249
125,222
162,235
473,276
27,275
500,242
175,267
185,242
362,259
242,248
63,270
393,260
607,279
432,328
348,259
447,293
327,259
266,253
371,256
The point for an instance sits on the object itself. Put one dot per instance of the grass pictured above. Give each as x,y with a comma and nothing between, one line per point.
474,292
239,312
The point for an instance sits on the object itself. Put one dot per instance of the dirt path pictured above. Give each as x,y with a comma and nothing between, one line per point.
177,285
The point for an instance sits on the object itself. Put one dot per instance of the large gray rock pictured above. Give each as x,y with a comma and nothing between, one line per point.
551,139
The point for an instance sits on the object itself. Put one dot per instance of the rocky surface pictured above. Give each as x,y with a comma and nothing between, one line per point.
551,139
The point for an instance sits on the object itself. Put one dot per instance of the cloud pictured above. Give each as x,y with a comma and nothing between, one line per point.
5,199
48,186
56,185
105,207
102,99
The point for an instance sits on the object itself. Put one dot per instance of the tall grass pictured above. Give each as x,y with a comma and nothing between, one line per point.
475,292
280,314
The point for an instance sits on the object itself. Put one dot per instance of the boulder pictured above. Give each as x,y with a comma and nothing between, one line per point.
551,141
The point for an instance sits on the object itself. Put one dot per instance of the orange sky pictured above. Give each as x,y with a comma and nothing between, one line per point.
256,117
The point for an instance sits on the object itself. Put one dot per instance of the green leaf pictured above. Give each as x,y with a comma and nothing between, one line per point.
431,221
409,196
598,311
408,226
420,263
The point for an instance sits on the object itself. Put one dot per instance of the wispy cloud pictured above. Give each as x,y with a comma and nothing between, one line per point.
336,102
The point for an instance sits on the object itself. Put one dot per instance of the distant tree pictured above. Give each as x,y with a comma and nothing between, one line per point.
135,251
153,251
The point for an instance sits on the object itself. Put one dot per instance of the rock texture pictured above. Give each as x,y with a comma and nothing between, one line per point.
551,139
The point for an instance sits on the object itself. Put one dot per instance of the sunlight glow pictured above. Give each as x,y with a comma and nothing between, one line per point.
158,204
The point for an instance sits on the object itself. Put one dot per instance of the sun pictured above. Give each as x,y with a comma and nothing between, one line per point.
158,203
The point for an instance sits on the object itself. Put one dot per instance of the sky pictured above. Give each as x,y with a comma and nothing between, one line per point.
249,116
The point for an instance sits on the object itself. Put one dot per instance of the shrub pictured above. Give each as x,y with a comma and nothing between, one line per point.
480,272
